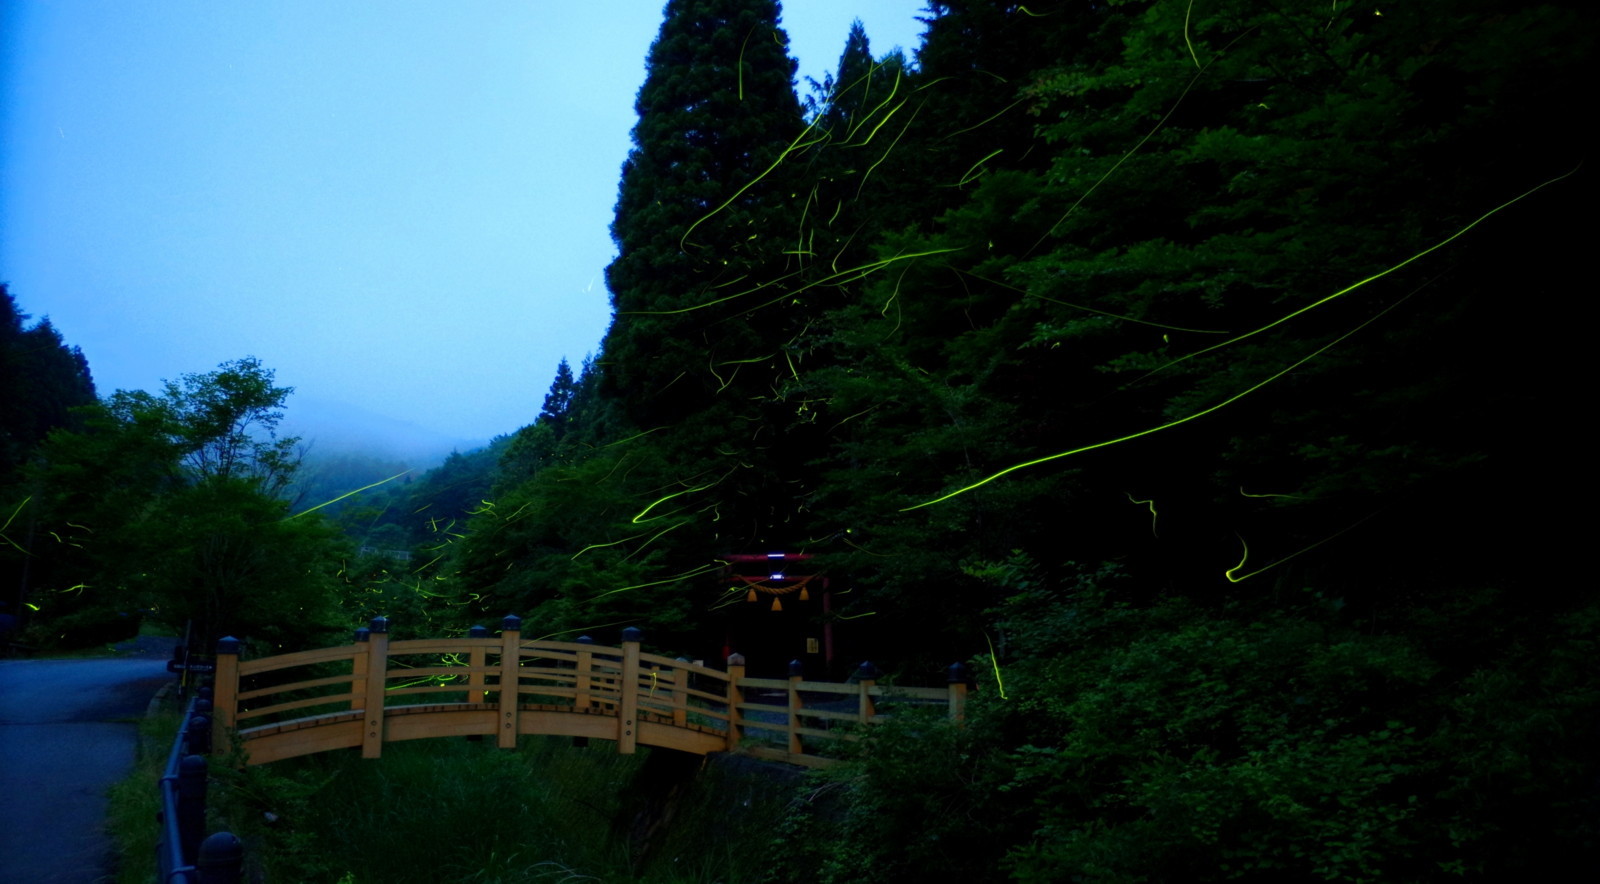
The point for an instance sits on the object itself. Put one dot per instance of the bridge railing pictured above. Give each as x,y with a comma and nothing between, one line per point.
345,696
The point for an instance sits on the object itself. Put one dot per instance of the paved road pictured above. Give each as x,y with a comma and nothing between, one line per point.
66,734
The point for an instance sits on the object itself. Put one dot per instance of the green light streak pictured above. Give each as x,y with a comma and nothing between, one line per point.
641,516
633,437
579,630
604,545
888,150
1242,559
1376,276
1153,516
747,361
652,539
347,494
1119,316
1186,41
995,662
419,568
673,579
1231,572
881,123
978,125
1166,426
866,80
1244,493
1135,149
797,144
11,518
969,175
738,68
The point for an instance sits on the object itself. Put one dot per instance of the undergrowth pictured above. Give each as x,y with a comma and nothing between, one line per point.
447,811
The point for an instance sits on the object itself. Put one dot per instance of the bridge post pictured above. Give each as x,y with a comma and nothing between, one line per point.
867,675
358,669
377,678
475,691
581,678
796,674
510,678
628,700
956,677
735,699
225,701
680,694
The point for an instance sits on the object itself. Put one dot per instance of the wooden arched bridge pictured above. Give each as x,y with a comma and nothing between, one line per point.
376,691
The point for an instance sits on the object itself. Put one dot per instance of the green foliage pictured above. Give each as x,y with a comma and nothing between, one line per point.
41,381
168,504
1251,303
917,800
134,803
438,811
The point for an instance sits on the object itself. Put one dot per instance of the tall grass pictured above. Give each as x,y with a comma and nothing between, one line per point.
136,800
452,810
449,810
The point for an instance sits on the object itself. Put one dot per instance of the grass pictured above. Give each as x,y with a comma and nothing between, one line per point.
135,801
452,810
455,810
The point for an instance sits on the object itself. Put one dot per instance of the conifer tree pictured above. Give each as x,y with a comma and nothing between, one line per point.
702,205
558,402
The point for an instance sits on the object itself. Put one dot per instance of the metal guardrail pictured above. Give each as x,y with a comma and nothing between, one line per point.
181,856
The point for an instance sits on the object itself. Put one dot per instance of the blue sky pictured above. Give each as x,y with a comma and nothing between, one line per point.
401,207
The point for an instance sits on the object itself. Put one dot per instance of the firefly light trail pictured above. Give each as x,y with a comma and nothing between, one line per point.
1166,426
347,494
1376,276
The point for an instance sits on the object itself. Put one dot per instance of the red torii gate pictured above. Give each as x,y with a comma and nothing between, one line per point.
771,574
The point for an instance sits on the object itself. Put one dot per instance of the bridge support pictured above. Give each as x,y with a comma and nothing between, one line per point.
628,699
377,659
735,700
510,678
225,696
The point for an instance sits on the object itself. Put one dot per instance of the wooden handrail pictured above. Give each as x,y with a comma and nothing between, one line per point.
513,687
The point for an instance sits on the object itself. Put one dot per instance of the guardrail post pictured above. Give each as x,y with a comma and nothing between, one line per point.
221,859
377,679
475,681
735,700
628,699
197,733
358,669
867,674
192,771
956,677
796,673
225,705
510,680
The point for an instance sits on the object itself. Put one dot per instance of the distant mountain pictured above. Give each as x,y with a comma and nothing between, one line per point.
334,427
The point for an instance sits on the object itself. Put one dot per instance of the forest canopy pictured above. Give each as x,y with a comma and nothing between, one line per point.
1193,371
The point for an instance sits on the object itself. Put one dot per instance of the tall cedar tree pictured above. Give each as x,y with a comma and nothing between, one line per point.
664,454
702,209
704,280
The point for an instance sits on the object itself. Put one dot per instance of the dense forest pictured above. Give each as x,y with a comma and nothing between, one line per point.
1195,371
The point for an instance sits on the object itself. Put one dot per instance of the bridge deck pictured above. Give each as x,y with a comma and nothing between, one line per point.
616,694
